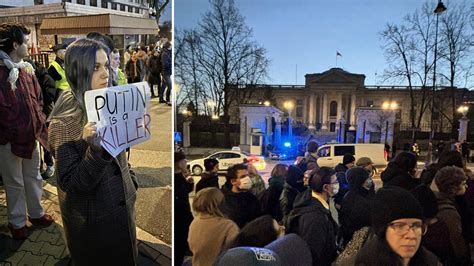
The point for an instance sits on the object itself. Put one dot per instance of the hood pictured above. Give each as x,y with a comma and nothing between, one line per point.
391,172
305,203
356,177
340,168
277,181
294,178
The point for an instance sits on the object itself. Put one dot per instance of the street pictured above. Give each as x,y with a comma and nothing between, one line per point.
152,164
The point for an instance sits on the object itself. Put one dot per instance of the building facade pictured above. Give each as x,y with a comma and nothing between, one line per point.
337,106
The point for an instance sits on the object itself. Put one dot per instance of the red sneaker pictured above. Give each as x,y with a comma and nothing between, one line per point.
18,233
45,220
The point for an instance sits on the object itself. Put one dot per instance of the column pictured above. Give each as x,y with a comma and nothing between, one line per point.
243,129
277,137
312,108
339,107
186,134
463,129
324,120
353,108
268,133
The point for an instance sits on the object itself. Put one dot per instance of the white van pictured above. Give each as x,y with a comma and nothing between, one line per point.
331,154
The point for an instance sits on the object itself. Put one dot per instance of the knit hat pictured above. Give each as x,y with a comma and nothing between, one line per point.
393,203
292,250
356,176
178,156
348,158
364,161
248,256
210,163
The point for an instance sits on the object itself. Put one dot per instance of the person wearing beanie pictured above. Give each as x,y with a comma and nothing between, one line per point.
367,164
401,172
355,208
451,182
311,156
270,199
209,178
341,168
183,217
293,186
397,220
311,219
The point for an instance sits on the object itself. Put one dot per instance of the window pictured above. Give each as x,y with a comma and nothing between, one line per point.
104,3
332,127
93,2
81,2
324,152
255,140
333,108
299,102
299,111
216,156
130,9
229,155
122,7
342,150
114,6
370,103
137,10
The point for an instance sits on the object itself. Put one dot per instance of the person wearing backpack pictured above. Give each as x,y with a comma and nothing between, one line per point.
311,219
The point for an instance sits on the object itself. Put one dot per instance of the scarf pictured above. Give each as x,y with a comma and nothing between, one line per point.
14,68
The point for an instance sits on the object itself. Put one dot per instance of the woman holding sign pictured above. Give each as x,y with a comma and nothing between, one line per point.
96,191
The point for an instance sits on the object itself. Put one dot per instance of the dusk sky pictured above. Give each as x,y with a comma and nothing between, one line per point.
308,33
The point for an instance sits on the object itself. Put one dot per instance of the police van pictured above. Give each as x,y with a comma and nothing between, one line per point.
331,154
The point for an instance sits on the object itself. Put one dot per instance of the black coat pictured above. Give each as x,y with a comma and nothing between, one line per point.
355,209
343,184
182,216
392,176
271,198
241,207
207,180
313,222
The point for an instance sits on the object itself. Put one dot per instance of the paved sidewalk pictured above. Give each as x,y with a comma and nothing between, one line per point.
46,246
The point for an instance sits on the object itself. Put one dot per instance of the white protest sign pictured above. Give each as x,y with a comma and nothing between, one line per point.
121,115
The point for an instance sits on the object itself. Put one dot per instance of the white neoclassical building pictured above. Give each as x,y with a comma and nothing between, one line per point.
336,105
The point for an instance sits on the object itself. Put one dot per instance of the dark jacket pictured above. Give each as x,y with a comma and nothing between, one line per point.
271,197
355,209
343,184
313,222
48,88
392,176
293,186
208,180
311,161
96,197
182,216
241,207
166,62
448,213
155,67
377,252
129,70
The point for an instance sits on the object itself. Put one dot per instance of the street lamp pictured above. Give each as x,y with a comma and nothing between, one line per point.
388,106
215,117
289,107
463,109
440,8
266,103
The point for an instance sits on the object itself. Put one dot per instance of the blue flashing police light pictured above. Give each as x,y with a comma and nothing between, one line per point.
287,144
178,137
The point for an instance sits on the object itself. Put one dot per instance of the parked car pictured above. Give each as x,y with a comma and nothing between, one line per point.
331,154
226,159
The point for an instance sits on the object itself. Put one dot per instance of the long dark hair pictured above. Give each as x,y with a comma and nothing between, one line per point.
79,64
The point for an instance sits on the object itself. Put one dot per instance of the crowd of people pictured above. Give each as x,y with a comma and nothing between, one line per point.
43,111
335,215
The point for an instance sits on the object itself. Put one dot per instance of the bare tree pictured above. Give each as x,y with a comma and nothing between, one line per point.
400,52
159,6
219,56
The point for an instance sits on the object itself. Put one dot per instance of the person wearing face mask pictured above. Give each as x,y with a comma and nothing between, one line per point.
96,191
355,208
242,206
311,219
347,163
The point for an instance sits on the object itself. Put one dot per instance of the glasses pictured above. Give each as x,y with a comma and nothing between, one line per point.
403,228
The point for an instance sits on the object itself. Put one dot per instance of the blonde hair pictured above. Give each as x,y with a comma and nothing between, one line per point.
209,201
